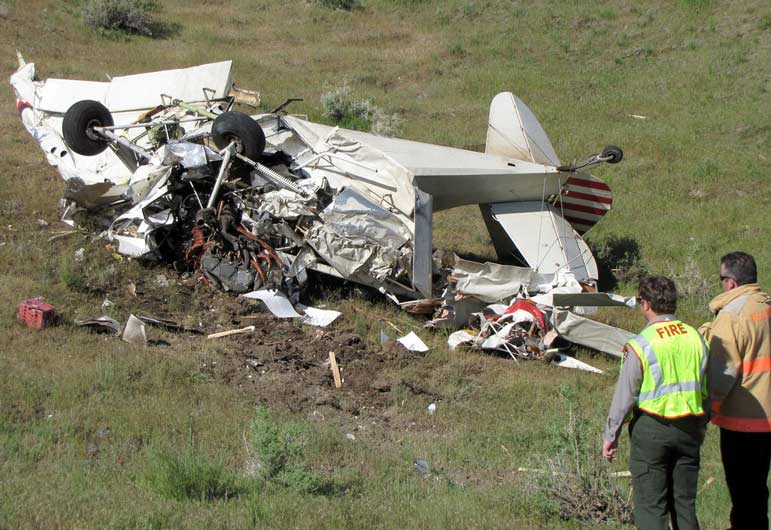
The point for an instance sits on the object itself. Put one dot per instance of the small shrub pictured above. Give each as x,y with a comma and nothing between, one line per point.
191,475
280,452
697,5
707,171
344,5
457,50
618,261
577,479
691,283
361,115
71,275
129,16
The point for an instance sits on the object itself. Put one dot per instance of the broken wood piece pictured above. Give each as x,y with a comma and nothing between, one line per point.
335,370
707,483
247,329
61,235
615,474
378,317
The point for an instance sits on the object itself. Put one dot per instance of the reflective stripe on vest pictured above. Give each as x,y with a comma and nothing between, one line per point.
655,368
659,393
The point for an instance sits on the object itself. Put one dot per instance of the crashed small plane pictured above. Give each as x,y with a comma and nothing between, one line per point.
173,172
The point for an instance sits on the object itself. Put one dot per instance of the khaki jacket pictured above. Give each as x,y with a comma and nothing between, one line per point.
740,359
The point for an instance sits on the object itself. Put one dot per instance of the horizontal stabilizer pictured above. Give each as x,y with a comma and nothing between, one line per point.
542,238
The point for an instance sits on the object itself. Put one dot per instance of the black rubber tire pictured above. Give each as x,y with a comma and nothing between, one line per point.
77,124
234,125
615,154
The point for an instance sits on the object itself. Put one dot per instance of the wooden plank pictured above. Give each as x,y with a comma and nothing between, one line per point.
335,370
247,329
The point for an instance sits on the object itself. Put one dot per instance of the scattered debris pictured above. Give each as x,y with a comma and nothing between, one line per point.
253,204
35,313
134,332
247,329
276,302
432,408
335,370
60,235
168,325
707,484
103,324
318,317
422,467
614,474
413,343
560,359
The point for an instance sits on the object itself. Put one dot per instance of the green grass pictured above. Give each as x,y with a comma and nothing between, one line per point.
95,433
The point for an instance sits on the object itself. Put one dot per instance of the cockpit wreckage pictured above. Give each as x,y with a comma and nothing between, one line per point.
172,172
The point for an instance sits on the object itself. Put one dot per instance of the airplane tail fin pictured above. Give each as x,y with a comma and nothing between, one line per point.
544,234
514,132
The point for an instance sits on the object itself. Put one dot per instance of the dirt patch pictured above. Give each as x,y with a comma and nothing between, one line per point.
285,364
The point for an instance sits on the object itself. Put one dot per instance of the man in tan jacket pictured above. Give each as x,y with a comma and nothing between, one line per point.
740,387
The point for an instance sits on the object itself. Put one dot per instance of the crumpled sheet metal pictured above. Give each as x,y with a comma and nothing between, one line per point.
357,237
492,282
345,161
363,234
593,299
126,97
590,333
285,204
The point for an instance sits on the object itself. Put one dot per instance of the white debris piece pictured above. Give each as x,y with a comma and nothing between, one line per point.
460,337
134,332
413,343
318,317
276,302
562,360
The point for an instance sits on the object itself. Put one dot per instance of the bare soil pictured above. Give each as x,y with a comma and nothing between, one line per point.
284,364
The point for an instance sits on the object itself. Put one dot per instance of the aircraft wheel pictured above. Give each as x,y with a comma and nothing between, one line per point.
77,127
241,128
613,153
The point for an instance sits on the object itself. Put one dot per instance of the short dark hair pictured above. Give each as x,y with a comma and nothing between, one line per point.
741,267
660,292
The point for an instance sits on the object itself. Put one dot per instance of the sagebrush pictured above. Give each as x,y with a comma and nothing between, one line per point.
363,115
130,16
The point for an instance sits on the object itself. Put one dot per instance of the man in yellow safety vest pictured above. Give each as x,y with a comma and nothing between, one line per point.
663,382
740,387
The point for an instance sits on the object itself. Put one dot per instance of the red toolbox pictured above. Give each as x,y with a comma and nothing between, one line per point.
36,314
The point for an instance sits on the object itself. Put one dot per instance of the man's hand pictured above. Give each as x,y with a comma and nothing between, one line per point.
609,450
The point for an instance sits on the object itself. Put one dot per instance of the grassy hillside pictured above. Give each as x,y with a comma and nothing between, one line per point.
95,433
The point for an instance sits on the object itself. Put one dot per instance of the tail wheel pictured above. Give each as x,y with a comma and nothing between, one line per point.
613,154
78,127
240,128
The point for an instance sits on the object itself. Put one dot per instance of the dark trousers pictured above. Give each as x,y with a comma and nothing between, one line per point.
664,462
746,458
